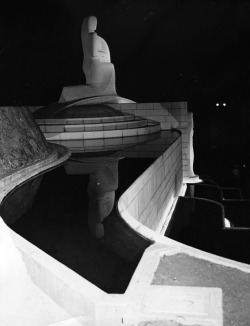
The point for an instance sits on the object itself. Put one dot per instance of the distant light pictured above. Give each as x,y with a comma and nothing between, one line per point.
217,104
227,223
224,104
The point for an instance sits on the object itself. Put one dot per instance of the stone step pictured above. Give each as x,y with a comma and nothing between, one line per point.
151,127
92,120
105,144
94,126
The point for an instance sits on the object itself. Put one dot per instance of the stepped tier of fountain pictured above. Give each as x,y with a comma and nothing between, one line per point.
98,121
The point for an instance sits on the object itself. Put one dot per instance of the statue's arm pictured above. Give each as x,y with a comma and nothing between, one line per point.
95,45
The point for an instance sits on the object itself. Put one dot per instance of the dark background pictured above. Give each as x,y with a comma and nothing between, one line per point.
163,50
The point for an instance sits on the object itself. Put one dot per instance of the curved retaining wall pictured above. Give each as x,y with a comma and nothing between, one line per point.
136,307
151,196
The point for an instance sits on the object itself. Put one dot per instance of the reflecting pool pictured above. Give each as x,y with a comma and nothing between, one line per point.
55,210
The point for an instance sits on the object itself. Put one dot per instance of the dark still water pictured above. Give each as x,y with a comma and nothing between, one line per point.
199,223
57,223
56,211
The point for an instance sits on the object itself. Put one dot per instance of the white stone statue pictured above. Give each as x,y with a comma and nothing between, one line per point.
97,66
192,177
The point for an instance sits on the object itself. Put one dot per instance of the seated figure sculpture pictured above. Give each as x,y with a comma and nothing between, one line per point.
97,66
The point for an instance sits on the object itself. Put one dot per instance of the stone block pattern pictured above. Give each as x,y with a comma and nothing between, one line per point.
151,194
171,115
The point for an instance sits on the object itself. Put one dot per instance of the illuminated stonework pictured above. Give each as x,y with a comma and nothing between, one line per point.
97,66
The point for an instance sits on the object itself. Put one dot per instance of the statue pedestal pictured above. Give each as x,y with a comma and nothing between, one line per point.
101,82
193,179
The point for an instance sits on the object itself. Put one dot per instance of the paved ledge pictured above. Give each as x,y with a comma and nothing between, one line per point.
182,269
153,304
177,285
173,285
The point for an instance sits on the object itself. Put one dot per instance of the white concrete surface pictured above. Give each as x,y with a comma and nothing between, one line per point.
151,196
21,301
97,66
51,294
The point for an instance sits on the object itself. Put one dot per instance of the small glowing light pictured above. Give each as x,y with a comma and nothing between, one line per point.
217,104
244,165
227,223
224,104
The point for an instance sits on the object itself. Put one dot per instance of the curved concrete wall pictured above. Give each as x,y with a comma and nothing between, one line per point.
151,196
140,304
170,115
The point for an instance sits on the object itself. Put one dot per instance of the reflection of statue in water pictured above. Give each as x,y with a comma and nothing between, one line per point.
101,190
103,182
99,71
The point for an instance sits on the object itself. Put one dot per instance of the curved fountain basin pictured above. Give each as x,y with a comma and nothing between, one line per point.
135,305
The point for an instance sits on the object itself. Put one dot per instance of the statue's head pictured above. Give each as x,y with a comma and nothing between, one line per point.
89,24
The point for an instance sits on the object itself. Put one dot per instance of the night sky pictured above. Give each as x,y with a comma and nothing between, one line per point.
163,50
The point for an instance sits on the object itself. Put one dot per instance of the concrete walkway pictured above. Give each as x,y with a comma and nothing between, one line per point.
21,301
